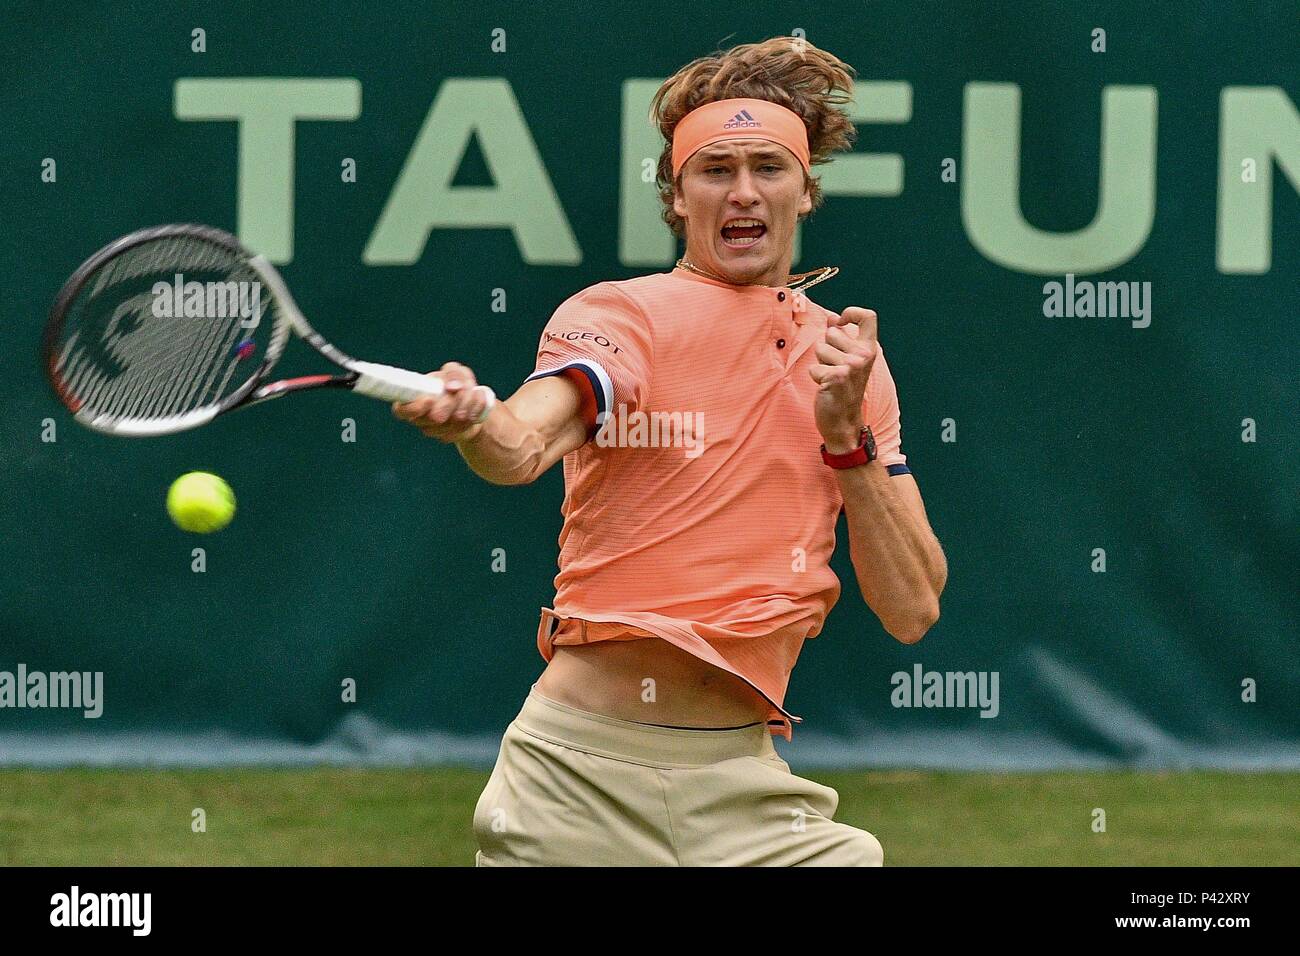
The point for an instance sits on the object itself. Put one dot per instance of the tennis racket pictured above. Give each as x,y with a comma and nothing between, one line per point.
165,329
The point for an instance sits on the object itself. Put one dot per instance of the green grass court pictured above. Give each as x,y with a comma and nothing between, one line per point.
422,817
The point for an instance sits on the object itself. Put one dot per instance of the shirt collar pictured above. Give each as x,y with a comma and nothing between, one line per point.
752,291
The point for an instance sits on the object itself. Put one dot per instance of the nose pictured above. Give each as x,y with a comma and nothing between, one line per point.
743,192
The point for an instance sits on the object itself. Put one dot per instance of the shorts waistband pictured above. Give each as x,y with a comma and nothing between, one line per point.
635,742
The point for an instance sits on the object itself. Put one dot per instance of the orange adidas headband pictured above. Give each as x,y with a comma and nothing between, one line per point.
739,119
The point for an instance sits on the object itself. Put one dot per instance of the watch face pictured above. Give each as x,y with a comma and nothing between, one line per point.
869,443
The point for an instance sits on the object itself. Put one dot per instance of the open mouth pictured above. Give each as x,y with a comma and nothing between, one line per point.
742,233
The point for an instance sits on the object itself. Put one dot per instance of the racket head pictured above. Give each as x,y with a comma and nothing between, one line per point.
162,330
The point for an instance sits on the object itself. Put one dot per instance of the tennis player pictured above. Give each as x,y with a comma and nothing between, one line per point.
713,421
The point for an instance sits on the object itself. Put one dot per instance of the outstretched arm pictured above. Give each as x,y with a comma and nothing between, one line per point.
520,438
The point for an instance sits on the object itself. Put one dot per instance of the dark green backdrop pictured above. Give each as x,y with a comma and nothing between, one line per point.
372,560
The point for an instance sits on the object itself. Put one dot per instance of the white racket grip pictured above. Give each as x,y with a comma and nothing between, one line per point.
390,384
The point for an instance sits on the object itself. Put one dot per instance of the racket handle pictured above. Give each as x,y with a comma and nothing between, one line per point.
390,384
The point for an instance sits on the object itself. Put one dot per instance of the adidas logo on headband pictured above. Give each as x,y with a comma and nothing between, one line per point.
741,120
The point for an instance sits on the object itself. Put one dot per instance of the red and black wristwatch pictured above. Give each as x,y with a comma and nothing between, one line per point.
865,452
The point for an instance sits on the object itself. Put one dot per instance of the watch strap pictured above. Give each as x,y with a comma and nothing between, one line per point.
865,452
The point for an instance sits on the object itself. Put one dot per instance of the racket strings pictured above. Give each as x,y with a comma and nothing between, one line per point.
169,378
169,326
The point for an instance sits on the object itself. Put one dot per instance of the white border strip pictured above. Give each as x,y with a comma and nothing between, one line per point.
606,384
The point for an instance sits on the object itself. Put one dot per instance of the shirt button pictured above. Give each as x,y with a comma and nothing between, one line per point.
780,343
780,297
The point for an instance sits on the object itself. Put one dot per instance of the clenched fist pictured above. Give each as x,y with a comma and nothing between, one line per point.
845,359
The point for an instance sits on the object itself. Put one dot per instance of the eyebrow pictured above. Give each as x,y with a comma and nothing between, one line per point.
713,157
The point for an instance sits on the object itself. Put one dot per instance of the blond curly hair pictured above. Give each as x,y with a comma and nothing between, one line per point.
789,71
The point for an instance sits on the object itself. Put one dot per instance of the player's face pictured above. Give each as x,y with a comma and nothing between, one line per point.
741,200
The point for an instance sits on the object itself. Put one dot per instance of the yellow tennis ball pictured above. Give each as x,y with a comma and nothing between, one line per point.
200,501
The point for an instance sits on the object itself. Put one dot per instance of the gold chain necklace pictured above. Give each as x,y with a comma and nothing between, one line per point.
792,282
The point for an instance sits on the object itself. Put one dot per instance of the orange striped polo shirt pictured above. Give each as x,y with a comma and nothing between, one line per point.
700,511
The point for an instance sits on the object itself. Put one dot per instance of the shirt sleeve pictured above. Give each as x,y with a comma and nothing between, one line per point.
880,412
600,340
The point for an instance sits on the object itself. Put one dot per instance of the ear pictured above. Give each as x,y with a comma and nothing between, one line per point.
679,202
805,201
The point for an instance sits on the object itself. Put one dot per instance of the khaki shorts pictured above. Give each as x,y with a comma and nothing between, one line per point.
571,788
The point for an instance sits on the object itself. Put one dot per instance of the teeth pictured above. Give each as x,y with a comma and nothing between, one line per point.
743,222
